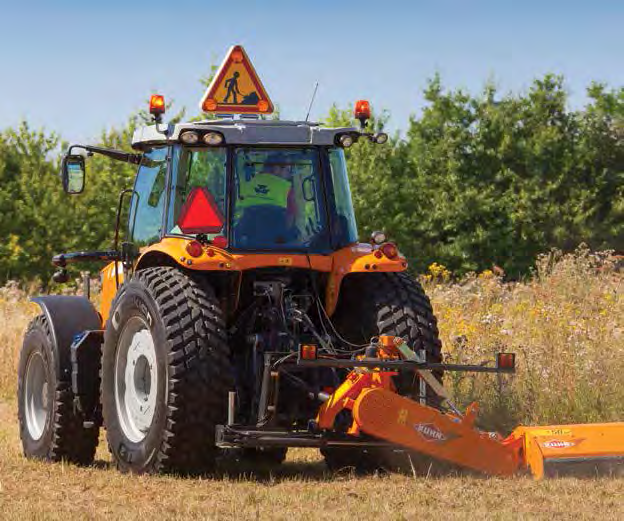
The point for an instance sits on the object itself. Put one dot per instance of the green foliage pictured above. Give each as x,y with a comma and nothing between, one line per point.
477,180
39,219
483,180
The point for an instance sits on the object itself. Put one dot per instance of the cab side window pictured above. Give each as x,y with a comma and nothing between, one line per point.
344,229
196,168
148,201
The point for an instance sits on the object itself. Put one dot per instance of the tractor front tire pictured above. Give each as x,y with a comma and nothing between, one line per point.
373,304
165,374
50,427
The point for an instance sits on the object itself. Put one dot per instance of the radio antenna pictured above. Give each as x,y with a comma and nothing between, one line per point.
312,100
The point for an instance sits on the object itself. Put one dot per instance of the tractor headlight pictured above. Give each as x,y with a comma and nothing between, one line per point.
213,139
190,137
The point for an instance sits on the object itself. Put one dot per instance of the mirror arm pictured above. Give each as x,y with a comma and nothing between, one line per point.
118,155
61,260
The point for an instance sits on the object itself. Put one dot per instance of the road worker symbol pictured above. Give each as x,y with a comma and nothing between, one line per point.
233,91
231,84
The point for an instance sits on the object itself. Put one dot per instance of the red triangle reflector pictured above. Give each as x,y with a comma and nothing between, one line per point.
200,213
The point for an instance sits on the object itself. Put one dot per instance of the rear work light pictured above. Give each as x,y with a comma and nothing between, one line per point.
190,137
213,139
378,237
380,138
346,140
157,107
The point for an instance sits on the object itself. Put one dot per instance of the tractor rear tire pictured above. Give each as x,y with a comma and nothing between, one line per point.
165,374
373,304
50,427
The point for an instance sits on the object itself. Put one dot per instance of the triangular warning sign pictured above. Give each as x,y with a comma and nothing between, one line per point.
236,88
200,213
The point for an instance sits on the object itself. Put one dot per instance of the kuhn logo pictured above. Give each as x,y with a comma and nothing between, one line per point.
558,444
429,432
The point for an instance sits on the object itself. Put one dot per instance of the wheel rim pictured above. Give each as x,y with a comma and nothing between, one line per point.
136,379
36,396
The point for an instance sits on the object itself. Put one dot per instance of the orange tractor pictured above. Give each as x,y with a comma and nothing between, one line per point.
241,313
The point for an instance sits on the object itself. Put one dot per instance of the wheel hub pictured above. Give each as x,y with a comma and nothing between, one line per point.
36,396
136,380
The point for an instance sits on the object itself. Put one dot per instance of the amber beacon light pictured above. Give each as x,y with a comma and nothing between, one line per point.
157,107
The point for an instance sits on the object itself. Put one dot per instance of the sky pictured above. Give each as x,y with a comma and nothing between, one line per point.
78,67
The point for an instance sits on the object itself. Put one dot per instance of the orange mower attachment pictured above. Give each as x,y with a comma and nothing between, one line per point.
379,411
587,449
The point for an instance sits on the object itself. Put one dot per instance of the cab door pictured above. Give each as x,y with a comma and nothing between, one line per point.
147,207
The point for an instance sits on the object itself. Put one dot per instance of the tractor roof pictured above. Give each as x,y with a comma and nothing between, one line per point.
243,132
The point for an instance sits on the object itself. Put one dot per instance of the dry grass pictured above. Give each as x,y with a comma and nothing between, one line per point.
566,326
15,313
301,489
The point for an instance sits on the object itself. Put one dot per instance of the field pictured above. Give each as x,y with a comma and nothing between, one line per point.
566,325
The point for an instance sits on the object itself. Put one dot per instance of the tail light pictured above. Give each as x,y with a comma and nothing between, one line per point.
307,352
220,242
390,250
195,249
506,361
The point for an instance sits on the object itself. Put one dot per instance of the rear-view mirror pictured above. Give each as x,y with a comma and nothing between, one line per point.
73,173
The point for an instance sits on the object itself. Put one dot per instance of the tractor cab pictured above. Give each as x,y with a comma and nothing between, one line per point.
249,186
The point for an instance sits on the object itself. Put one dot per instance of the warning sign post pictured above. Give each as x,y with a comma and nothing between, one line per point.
236,87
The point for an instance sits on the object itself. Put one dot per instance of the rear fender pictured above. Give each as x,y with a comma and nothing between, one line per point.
357,258
68,317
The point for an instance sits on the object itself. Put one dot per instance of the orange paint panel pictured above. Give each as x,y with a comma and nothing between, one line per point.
109,288
222,260
344,396
358,258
